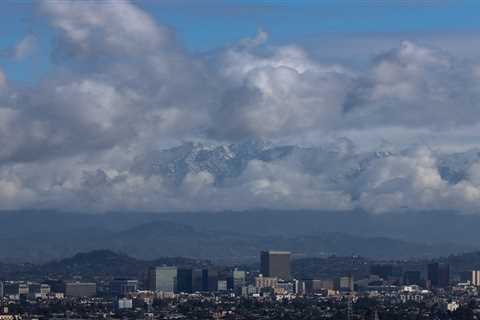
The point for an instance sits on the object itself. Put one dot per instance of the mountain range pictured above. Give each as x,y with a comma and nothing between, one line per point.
236,236
230,237
338,160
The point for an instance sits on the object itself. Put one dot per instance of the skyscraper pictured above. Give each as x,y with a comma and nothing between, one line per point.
346,284
432,274
210,280
275,264
438,275
122,287
476,277
444,275
185,279
237,279
163,279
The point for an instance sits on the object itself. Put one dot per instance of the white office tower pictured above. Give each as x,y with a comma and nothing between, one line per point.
163,279
476,277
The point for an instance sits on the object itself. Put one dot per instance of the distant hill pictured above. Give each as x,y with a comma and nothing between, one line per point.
104,264
160,238
97,263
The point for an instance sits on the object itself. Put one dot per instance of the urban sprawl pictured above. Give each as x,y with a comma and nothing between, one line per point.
174,292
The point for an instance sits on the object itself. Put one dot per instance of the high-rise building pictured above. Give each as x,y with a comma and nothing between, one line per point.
210,280
122,287
346,284
80,289
163,279
195,280
237,279
275,264
444,275
438,275
476,277
1,289
185,280
432,274
199,280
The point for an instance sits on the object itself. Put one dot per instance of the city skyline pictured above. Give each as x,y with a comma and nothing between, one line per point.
239,159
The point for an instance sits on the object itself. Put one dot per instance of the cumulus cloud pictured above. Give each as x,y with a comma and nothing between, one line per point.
22,49
122,88
93,30
278,94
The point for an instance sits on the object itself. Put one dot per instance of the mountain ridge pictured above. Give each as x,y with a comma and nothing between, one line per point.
166,238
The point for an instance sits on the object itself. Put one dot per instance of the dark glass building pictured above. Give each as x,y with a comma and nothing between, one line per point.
438,275
122,287
197,280
236,280
210,280
275,264
185,280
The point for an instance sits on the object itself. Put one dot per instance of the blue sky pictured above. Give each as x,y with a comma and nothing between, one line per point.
205,25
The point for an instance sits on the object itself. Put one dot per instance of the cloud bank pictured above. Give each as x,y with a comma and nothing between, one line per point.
392,136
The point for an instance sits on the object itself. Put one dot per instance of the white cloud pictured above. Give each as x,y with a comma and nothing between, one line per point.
122,87
25,47
3,79
22,49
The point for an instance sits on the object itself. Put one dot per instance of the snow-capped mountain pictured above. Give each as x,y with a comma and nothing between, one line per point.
337,162
229,161
454,167
222,161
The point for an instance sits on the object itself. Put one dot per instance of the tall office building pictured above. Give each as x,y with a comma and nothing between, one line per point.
444,275
438,275
163,279
346,284
432,275
122,287
185,280
197,280
275,264
476,277
210,280
237,279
